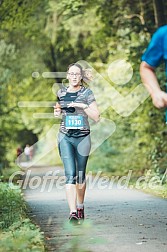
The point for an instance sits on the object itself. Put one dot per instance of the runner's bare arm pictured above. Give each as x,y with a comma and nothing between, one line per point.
91,110
150,81
57,110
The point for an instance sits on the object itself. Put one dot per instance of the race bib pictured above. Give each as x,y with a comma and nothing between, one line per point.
74,122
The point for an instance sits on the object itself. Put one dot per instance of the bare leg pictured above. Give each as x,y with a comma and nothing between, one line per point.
80,188
71,196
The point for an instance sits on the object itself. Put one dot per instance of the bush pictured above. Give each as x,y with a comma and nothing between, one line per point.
22,237
12,206
17,233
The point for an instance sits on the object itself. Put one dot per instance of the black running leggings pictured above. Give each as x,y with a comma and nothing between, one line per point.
74,152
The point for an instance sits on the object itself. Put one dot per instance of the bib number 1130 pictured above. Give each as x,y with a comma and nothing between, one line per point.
74,122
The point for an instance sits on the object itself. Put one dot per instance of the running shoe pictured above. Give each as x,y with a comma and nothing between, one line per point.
73,218
80,213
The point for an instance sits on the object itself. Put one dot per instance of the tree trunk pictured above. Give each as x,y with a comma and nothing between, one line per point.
159,14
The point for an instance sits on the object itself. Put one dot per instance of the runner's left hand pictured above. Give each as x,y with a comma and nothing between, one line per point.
77,105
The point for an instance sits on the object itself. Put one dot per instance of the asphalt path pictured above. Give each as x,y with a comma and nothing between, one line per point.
117,220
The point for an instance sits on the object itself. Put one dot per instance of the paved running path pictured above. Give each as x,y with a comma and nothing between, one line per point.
116,220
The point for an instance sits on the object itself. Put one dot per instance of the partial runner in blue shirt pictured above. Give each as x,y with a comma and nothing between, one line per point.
155,54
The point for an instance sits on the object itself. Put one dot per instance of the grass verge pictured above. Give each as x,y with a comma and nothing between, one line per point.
17,232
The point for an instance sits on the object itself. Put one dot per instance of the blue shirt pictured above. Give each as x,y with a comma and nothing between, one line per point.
156,53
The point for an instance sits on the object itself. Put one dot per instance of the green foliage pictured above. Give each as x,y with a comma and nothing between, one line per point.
46,36
22,236
43,36
17,13
7,172
17,233
81,238
12,207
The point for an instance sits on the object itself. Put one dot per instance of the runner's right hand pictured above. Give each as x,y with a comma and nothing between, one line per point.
57,110
160,99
